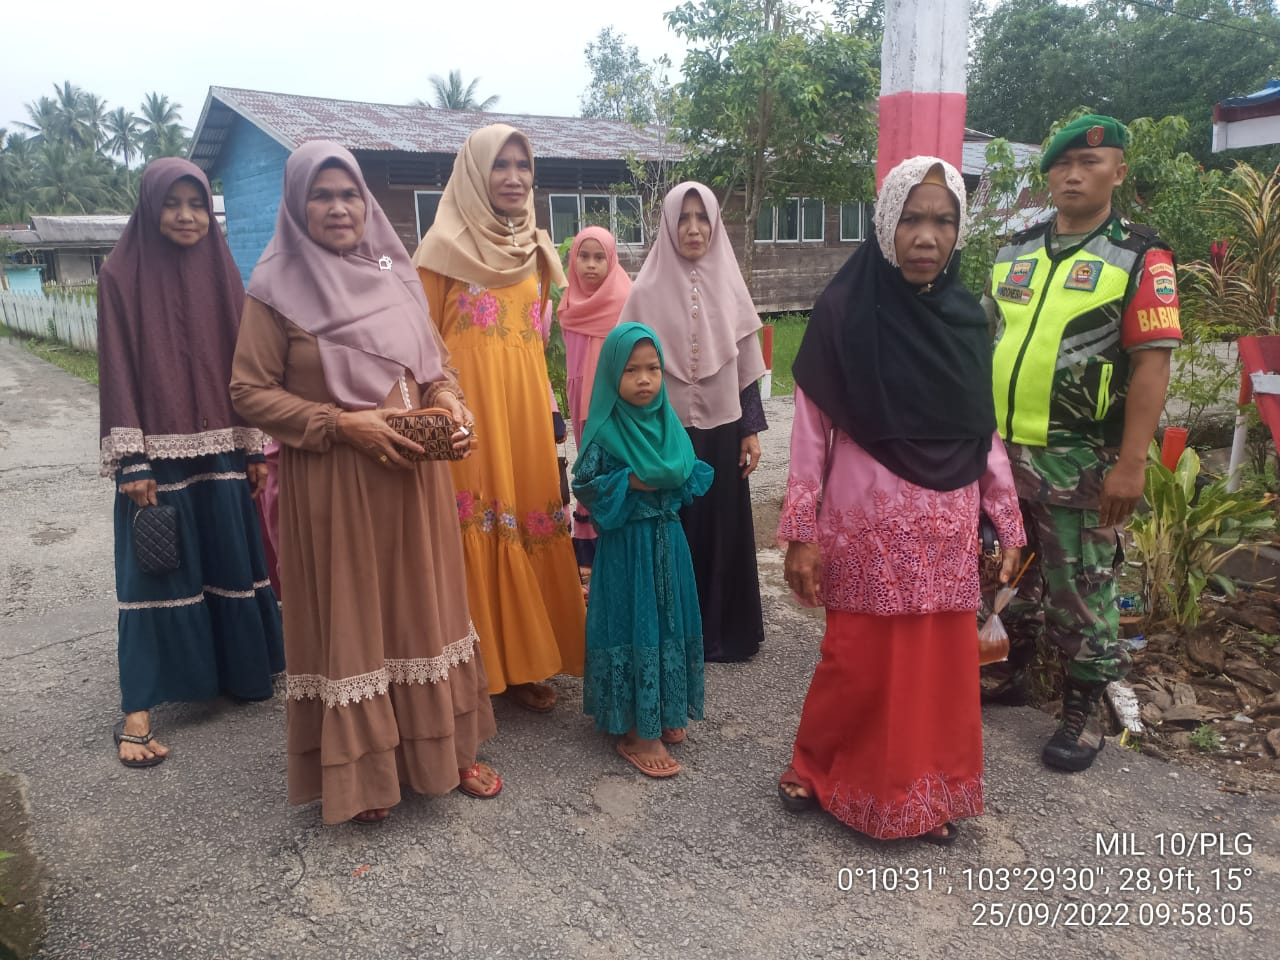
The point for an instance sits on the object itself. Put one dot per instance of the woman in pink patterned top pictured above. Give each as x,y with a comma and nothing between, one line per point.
893,454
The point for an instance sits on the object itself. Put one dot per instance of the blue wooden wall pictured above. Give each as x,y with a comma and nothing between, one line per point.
251,165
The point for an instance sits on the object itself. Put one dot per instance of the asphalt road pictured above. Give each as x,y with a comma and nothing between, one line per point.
580,856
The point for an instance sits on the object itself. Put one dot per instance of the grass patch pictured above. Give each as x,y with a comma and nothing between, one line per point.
1205,738
788,329
79,363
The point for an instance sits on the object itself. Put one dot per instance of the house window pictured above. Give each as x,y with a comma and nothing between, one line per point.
813,213
564,215
855,221
427,203
779,222
621,216
628,220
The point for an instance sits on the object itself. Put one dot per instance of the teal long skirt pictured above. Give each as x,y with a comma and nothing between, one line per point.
212,626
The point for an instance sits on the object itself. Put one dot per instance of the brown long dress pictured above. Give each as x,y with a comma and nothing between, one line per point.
385,682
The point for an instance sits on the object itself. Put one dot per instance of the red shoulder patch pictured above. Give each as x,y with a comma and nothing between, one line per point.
1152,312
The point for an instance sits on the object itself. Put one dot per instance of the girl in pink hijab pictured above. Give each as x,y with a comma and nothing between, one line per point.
598,287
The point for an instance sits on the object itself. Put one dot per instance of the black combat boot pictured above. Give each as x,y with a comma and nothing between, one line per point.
1079,736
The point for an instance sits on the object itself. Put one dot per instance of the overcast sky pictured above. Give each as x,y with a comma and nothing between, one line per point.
530,54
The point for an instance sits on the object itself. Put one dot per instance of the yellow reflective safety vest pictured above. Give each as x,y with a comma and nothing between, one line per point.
1059,371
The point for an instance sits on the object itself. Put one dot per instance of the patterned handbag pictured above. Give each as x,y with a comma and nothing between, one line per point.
155,539
432,428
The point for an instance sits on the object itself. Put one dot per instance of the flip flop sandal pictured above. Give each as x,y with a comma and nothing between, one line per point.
527,701
472,772
117,732
674,735
953,832
370,821
794,804
635,762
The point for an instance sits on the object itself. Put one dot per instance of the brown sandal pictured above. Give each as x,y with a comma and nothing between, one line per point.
523,695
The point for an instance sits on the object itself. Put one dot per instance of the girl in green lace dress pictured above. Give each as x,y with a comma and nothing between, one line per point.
636,470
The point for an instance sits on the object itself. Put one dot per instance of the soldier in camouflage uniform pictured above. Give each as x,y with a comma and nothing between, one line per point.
1086,311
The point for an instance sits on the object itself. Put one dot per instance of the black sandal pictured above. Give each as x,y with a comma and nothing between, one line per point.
120,736
953,831
793,803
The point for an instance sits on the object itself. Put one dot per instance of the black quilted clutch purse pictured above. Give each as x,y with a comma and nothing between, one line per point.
155,539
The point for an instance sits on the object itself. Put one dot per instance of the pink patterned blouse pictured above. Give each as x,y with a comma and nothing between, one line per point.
888,546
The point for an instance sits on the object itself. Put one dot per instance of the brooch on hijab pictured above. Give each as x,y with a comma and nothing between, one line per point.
384,263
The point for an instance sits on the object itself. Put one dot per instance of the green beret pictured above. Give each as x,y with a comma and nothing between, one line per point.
1091,130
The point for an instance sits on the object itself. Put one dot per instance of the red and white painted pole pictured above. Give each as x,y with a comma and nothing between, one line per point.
922,92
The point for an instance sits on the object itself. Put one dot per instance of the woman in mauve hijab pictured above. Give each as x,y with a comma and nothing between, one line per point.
385,684
169,300
691,293
894,451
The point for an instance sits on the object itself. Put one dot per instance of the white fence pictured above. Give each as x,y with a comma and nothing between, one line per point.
70,319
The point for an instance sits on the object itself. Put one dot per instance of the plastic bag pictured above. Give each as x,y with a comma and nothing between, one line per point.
993,639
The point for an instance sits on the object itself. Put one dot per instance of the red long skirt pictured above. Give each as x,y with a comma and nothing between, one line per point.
890,738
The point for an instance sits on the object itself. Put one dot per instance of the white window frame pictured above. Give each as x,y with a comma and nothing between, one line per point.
799,238
613,218
613,199
822,221
863,221
417,218
551,214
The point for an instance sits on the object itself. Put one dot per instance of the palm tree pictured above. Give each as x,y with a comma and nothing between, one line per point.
93,117
16,174
161,127
124,134
450,94
72,122
65,180
46,119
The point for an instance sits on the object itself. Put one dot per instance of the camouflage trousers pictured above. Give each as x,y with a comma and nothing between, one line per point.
1068,594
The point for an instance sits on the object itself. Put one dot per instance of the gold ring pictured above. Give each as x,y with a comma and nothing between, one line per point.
383,458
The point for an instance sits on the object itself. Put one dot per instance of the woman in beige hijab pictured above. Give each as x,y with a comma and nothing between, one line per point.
487,272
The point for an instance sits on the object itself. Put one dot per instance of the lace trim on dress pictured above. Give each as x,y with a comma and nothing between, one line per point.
930,802
120,442
799,520
366,686
198,598
199,478
237,594
1001,505
135,468
908,550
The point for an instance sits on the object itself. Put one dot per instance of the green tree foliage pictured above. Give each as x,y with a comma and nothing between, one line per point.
773,103
621,86
1166,188
1033,59
452,94
62,158
162,132
123,134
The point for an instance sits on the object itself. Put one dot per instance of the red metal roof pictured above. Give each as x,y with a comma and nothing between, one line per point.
294,120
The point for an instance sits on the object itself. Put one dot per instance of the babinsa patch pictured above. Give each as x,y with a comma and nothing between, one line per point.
1084,275
1021,271
1163,283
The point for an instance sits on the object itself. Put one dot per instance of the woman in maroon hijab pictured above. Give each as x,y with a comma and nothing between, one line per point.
385,683
169,301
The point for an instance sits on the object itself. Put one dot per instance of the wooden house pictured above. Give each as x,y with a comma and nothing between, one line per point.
406,154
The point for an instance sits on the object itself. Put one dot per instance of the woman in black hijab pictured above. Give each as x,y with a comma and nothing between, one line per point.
893,453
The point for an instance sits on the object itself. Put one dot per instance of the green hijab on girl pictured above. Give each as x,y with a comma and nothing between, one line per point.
649,439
